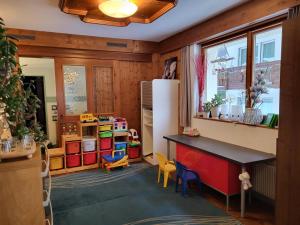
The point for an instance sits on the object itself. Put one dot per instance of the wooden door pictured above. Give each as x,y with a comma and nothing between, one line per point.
104,90
75,89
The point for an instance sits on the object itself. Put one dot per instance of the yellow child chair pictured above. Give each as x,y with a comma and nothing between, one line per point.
166,166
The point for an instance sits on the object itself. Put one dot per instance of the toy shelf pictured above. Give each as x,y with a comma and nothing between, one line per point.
120,134
87,133
86,129
105,138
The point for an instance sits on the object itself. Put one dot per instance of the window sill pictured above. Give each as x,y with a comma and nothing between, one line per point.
234,122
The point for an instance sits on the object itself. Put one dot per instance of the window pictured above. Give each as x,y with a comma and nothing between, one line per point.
268,51
226,71
242,56
228,74
269,65
256,55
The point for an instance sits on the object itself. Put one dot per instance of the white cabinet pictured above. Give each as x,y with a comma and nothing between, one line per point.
159,102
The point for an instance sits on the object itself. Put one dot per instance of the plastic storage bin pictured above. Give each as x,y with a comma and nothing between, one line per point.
134,152
120,145
89,144
105,127
56,163
73,160
105,143
105,134
73,147
103,153
89,158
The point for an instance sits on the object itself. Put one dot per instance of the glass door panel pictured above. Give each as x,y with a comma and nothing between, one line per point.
75,89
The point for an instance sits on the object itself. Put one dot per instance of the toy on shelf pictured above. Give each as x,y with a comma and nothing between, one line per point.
133,138
69,128
106,119
88,118
117,159
134,146
192,132
120,124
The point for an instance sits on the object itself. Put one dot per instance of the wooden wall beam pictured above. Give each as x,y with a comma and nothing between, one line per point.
288,144
59,40
232,20
36,51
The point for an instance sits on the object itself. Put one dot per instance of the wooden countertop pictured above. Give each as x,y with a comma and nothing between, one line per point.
237,154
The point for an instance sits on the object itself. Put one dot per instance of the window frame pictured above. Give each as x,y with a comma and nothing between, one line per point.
250,35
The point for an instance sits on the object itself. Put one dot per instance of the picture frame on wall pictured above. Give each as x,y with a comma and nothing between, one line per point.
170,68
54,107
54,118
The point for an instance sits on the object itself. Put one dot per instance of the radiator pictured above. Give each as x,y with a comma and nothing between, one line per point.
264,179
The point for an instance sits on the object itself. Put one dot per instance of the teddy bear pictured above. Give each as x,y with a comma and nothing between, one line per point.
245,179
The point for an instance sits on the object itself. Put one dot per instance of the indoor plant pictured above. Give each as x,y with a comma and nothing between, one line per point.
253,114
206,109
216,102
19,105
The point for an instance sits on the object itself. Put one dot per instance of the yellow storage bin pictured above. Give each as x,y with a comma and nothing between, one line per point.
57,163
105,127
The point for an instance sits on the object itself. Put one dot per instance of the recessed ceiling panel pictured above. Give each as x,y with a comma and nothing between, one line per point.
87,10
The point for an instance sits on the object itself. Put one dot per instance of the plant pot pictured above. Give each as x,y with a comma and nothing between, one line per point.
205,114
253,116
215,112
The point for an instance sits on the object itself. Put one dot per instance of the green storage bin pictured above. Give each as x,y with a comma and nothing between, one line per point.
105,134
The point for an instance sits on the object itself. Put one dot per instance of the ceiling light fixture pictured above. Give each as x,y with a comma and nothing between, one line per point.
118,8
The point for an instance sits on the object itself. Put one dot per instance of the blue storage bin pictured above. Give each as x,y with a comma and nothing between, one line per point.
120,145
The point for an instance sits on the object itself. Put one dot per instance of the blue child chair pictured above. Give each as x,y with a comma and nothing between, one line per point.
185,175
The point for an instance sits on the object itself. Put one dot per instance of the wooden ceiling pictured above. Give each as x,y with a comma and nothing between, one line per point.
87,10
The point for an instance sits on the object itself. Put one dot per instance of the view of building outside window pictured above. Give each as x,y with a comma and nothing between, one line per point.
267,59
226,71
226,74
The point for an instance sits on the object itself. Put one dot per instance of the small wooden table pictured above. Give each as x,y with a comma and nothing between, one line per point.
19,152
220,152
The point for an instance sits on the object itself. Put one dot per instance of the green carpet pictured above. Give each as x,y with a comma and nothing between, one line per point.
128,196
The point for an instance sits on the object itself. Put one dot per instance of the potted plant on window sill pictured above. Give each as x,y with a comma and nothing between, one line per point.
206,110
216,103
253,114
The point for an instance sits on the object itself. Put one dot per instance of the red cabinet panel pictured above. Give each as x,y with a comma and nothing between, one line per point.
216,172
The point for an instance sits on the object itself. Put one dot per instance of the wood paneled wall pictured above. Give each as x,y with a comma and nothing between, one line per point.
127,78
71,41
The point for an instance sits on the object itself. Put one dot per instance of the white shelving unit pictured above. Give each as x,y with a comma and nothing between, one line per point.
159,102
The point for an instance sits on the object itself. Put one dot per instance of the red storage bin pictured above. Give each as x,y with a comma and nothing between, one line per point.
73,147
105,143
134,152
106,152
73,160
89,158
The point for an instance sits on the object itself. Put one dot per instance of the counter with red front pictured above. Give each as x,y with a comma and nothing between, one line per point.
217,163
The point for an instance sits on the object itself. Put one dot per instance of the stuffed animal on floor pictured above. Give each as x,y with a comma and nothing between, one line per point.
245,179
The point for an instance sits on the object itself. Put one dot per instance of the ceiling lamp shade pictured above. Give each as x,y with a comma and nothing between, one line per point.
118,8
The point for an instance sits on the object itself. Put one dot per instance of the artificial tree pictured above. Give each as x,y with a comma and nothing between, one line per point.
19,105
